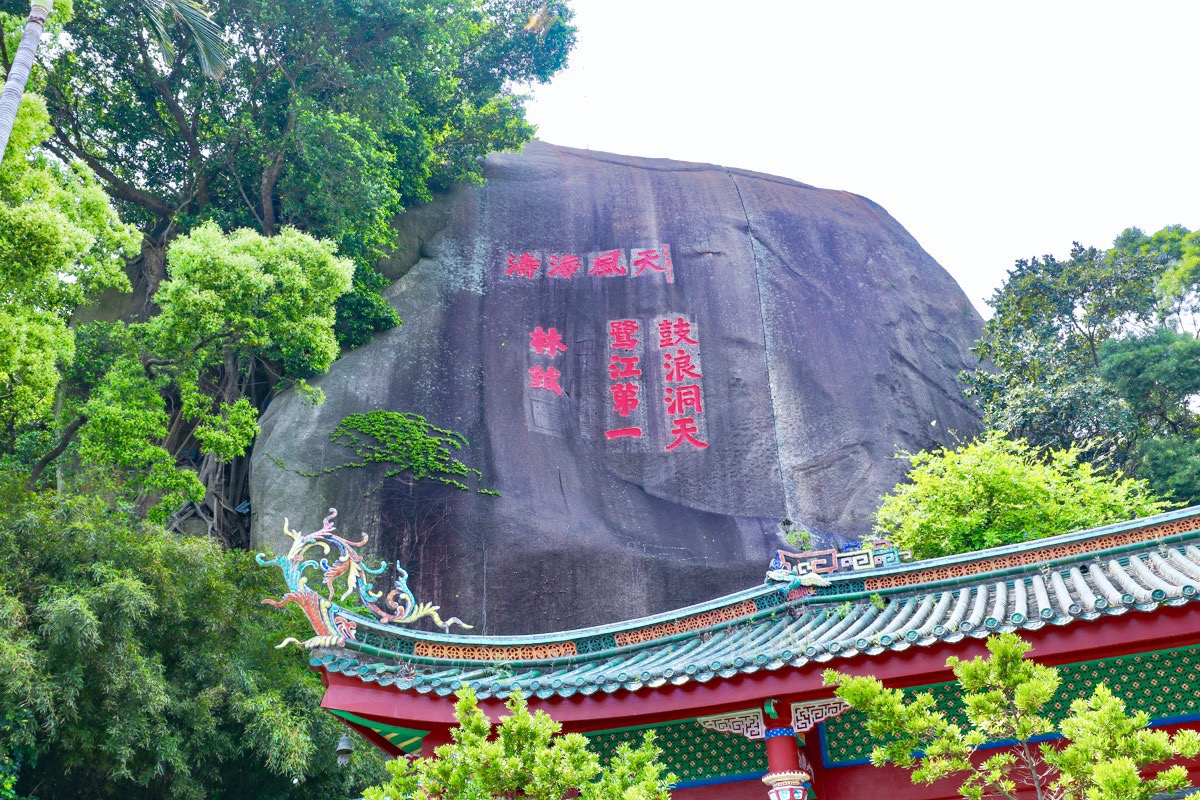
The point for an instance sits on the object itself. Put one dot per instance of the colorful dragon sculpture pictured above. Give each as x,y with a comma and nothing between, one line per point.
332,624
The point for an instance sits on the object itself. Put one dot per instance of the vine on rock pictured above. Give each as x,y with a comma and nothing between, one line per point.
409,443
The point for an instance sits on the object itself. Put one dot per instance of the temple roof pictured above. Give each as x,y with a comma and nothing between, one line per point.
1072,579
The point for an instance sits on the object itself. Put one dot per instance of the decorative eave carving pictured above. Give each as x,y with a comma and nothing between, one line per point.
807,715
747,723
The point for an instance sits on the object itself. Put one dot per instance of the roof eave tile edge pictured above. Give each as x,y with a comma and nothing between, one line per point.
827,601
826,597
1005,572
353,669
555,637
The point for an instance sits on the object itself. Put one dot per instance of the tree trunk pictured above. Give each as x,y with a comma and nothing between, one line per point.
152,271
18,76
267,193
63,442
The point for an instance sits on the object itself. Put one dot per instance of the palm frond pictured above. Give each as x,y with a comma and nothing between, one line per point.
207,38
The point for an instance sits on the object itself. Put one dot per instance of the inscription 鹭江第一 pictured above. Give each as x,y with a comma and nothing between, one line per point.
626,416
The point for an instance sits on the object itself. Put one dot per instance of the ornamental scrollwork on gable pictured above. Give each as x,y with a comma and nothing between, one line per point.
807,569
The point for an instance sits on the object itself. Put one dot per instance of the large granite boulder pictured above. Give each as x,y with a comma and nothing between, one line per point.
789,341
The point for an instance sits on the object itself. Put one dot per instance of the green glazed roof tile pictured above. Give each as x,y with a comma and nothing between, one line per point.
1060,590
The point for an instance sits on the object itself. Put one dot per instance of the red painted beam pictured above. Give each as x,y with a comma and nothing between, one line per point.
1079,641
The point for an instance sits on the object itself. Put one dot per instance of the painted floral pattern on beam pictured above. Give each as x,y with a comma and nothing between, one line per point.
331,622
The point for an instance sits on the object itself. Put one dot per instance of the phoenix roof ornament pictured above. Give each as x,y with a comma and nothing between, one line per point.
333,623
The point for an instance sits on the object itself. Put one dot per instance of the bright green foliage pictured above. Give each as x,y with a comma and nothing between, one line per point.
1099,352
13,16
136,663
332,117
1107,753
1109,749
407,443
60,243
238,313
523,757
1178,251
243,295
1051,319
996,491
127,424
797,536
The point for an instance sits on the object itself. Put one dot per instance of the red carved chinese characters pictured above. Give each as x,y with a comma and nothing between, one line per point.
545,378
646,258
563,266
655,259
623,367
620,334
679,367
683,398
680,398
684,430
608,264
675,332
546,342
623,371
624,397
525,265
643,262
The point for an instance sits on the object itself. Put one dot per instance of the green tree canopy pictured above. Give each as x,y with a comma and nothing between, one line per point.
524,757
134,662
61,242
239,314
331,117
329,120
139,664
1098,353
996,491
1109,754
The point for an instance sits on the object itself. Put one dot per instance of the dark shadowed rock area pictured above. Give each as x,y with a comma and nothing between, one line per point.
821,338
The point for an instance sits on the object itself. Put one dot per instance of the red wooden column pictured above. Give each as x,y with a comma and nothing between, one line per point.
805,717
785,774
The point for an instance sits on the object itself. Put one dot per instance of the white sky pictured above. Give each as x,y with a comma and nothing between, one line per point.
991,131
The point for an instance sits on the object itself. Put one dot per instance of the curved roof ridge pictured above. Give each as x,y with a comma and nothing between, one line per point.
574,633
1044,543
997,563
1141,576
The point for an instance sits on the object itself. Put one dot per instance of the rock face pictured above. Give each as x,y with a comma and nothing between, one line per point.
818,335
